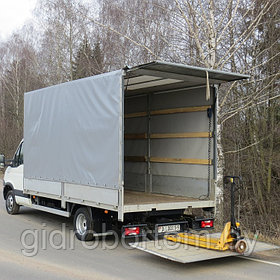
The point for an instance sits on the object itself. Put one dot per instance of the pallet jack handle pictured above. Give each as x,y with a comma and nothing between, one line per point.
232,180
230,237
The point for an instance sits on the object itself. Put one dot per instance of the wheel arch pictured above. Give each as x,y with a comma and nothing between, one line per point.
75,207
7,187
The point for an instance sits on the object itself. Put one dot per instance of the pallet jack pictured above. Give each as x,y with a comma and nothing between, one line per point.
230,238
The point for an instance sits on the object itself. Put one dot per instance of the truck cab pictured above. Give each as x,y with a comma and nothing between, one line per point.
13,181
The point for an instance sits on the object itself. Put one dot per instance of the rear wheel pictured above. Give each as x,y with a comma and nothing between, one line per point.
11,206
83,224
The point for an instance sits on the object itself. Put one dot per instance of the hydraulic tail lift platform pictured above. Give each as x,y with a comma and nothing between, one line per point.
189,247
230,238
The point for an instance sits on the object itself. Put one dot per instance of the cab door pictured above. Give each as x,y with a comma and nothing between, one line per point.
14,173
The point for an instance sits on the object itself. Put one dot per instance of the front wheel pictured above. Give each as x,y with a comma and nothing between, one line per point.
83,224
11,206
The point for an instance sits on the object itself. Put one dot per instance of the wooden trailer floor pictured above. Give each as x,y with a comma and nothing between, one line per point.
140,201
133,197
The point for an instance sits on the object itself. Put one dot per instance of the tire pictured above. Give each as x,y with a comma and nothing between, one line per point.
11,206
241,246
83,224
151,236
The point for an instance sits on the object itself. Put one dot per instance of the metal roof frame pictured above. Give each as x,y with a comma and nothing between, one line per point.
160,76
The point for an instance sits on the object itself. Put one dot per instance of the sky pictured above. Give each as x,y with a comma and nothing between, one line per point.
13,14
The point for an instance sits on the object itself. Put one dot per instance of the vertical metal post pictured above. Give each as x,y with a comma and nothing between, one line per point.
149,175
232,198
215,111
63,201
121,150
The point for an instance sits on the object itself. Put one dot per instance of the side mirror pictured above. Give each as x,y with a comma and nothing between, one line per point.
2,161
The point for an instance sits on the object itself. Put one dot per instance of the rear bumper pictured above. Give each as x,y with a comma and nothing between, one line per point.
155,230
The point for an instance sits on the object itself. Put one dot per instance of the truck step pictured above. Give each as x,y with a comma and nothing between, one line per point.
51,210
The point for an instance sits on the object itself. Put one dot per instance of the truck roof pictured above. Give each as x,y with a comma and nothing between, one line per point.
160,76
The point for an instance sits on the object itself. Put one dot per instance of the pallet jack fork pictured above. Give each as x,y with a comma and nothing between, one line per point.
230,238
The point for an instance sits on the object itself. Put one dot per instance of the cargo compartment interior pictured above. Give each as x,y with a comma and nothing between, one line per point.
168,140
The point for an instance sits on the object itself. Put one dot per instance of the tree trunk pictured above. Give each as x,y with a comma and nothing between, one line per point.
220,171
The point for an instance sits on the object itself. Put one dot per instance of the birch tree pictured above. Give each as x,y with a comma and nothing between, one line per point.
63,31
132,32
20,73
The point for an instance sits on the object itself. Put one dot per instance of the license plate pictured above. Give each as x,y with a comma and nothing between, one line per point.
169,228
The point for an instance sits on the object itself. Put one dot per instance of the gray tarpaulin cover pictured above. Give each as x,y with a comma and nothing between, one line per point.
72,131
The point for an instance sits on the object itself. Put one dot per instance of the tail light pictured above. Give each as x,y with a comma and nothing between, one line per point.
131,231
206,224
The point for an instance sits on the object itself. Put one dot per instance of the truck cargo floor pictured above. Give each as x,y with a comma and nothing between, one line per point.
140,201
133,197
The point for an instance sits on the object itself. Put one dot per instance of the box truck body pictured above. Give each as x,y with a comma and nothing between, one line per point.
139,140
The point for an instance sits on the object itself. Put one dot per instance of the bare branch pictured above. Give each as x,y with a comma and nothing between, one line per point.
228,23
243,37
254,105
198,45
245,148
124,36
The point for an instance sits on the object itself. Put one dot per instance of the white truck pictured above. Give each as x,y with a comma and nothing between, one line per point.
133,149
